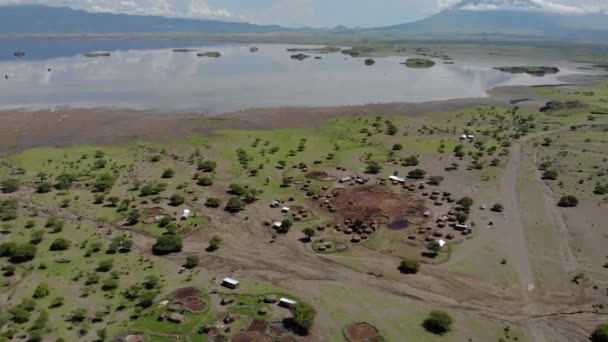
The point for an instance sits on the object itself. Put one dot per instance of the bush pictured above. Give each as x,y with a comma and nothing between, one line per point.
133,217
19,253
168,173
397,147
191,261
60,244
235,204
176,200
303,317
213,202
499,208
466,203
214,244
438,322
373,167
120,244
568,201
550,175
9,185
409,266
435,180
207,166
104,182
105,265
41,291
167,244
416,174
411,161
600,334
44,188
236,190
204,181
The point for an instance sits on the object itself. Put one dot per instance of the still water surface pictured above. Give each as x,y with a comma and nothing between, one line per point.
148,75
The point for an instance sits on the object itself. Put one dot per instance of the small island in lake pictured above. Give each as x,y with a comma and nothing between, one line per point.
213,54
532,70
97,54
419,63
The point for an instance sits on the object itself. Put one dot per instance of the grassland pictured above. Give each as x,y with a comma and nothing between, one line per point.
93,215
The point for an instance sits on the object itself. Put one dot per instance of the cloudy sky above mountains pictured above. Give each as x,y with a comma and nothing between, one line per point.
315,13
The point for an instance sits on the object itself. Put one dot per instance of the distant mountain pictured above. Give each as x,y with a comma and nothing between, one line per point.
28,19
509,18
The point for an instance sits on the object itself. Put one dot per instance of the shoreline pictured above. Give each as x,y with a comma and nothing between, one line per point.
25,129
105,126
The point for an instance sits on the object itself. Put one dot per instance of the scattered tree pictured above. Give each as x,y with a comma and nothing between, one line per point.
499,208
60,244
303,317
213,202
411,161
438,322
417,174
168,173
409,266
600,334
550,175
41,291
10,185
373,167
191,261
214,244
167,244
568,201
176,200
207,166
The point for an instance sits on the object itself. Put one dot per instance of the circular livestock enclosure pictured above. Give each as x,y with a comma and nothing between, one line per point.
190,297
376,201
362,332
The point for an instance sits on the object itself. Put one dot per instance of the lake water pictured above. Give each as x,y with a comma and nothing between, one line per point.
148,75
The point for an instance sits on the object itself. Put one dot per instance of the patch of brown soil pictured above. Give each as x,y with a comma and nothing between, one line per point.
185,292
154,211
258,325
360,332
190,297
376,200
251,336
321,176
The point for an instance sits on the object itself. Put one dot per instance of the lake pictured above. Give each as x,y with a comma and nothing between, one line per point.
149,75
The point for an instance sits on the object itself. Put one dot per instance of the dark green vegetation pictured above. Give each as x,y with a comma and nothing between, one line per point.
600,334
419,63
532,70
438,322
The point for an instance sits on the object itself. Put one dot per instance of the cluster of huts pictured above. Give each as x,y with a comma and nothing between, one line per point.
359,231
438,229
298,214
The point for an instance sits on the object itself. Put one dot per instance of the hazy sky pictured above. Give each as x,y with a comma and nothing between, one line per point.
316,13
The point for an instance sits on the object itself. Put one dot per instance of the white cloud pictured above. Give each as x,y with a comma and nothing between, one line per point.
554,6
288,12
169,8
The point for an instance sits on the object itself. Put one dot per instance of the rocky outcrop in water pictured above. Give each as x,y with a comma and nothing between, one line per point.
370,62
19,54
531,70
299,56
254,49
